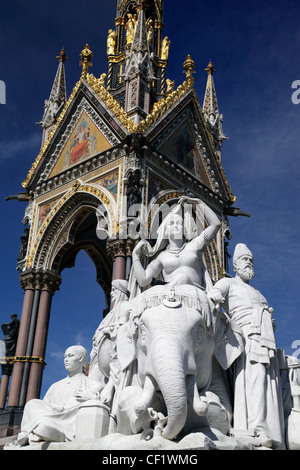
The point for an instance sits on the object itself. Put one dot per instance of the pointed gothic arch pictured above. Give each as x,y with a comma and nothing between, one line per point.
72,227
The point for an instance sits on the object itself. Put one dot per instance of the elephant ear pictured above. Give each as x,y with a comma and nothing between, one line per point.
126,347
229,342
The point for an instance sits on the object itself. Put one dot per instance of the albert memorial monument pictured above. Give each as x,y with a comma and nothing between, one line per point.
130,170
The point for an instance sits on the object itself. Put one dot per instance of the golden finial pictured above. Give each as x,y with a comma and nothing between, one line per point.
62,56
189,66
210,69
86,57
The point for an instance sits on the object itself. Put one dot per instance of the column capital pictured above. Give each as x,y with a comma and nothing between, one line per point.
120,247
27,280
116,248
41,280
130,245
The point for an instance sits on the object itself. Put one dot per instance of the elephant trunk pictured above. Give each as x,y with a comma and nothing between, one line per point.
171,379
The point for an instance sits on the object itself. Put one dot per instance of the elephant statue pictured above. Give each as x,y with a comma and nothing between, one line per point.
173,359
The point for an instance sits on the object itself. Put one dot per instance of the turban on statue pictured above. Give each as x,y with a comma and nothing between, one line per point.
121,285
240,250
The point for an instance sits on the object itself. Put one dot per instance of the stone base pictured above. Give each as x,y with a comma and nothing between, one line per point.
7,440
208,439
10,421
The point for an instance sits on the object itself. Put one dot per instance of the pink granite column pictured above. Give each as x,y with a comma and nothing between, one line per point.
117,250
119,267
3,390
17,373
39,346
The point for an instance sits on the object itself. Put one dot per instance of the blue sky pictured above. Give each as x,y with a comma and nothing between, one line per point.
254,47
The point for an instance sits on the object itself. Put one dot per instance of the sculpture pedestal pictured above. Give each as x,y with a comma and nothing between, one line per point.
92,421
10,421
293,430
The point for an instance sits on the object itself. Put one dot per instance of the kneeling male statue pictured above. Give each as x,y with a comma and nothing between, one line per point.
54,418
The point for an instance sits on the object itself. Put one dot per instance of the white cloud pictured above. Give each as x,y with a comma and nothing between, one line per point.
13,148
57,354
83,338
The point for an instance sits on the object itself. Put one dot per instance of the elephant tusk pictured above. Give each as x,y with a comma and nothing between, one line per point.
161,422
198,402
148,393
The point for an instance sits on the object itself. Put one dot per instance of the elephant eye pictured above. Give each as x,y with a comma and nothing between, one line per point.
143,330
199,333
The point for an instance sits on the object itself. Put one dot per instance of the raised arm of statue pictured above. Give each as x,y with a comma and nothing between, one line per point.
214,224
176,247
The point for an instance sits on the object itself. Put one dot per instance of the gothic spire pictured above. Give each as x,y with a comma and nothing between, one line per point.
148,40
211,109
138,72
210,103
139,47
57,98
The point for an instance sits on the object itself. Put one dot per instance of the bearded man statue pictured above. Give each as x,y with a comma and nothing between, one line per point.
258,410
